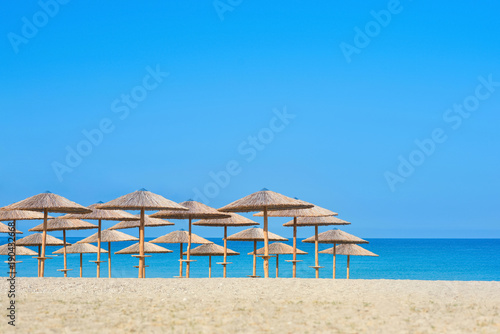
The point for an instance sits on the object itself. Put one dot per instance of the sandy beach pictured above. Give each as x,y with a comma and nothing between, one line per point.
57,305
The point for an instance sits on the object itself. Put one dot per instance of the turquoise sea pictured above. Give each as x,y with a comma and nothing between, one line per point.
417,259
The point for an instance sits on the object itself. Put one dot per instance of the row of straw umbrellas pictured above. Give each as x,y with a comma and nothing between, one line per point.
265,202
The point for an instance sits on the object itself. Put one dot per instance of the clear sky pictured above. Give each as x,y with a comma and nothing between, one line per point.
386,112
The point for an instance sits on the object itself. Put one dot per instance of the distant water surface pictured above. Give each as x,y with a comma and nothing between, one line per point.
417,259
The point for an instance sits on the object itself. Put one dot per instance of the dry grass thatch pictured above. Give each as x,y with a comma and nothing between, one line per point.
211,250
35,239
20,250
148,248
279,248
48,201
79,249
317,221
141,199
234,220
315,211
148,221
336,236
349,249
21,215
180,237
58,224
6,229
254,234
102,214
196,210
264,199
109,236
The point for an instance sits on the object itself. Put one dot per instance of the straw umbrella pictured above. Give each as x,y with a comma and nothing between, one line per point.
255,234
212,250
265,201
180,237
316,222
80,248
141,200
36,239
234,220
47,202
315,211
149,248
196,210
279,248
5,229
12,252
63,225
100,215
14,216
335,236
348,249
109,237
148,222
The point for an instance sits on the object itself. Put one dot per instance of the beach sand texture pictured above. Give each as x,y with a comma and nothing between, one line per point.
241,305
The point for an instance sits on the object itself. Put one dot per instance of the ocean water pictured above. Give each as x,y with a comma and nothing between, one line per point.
417,259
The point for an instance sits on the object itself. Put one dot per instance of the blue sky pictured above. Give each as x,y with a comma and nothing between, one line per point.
350,118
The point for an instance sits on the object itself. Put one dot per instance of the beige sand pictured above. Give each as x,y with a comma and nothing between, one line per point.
58,305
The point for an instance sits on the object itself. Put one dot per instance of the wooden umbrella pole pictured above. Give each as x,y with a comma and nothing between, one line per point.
334,260
294,247
188,257
44,242
316,246
348,258
209,266
65,263
109,259
255,258
277,269
99,250
39,255
81,264
266,245
180,262
225,250
141,244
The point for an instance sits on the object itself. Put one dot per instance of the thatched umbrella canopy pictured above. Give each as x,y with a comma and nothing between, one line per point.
180,237
316,222
279,248
14,216
149,248
234,220
80,248
335,236
12,252
100,215
148,222
46,202
196,210
265,200
60,224
315,211
212,250
5,229
348,249
141,200
255,234
108,236
37,239
20,250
